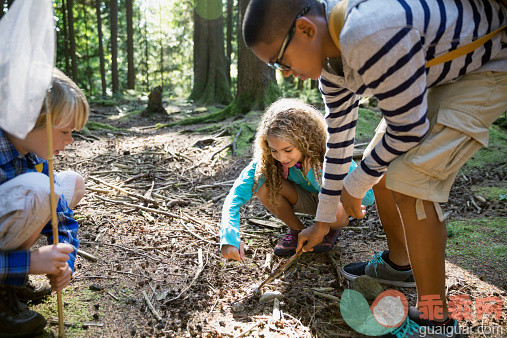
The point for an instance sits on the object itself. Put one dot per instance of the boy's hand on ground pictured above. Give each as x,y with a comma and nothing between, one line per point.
352,205
231,252
50,258
312,236
61,278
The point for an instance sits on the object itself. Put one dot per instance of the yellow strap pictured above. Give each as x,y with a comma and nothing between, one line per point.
337,20
463,50
39,167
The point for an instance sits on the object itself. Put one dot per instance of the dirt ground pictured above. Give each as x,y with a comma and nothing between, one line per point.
151,218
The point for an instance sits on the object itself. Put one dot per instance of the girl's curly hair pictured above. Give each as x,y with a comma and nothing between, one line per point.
298,123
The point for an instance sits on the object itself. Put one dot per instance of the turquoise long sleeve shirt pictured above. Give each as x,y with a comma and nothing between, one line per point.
243,190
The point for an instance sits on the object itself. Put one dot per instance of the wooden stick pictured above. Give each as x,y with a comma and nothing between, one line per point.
152,309
52,200
281,269
197,274
128,193
87,255
337,268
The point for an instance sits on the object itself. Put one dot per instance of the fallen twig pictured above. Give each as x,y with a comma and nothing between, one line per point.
197,274
337,268
87,255
242,334
152,309
132,194
124,248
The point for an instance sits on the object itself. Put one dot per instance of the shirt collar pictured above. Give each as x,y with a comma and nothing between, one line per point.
7,150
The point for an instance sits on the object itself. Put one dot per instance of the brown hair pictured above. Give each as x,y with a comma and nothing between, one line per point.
298,123
68,104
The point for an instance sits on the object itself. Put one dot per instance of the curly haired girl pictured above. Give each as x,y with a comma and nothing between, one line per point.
284,175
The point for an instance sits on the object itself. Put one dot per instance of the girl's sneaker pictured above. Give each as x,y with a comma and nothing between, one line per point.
328,242
378,269
287,246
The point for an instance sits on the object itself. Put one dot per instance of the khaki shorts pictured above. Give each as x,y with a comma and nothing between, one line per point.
25,206
460,115
307,201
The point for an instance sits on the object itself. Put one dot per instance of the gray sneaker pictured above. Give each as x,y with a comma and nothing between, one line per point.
380,271
414,327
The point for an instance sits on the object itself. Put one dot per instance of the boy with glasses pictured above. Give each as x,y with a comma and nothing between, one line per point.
435,118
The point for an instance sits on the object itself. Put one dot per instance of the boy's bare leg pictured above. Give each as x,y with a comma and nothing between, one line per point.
79,192
392,224
426,241
284,209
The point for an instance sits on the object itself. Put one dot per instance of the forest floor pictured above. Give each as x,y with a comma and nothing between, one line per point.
151,218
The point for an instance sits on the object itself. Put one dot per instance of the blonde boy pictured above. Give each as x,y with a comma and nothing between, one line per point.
25,210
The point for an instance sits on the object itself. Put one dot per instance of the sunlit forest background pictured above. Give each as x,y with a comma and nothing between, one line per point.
192,49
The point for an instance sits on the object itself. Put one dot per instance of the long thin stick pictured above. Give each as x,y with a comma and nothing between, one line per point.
52,199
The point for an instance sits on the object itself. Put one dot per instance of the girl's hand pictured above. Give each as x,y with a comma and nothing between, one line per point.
231,252
352,205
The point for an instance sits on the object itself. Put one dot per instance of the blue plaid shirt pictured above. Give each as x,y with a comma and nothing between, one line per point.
14,265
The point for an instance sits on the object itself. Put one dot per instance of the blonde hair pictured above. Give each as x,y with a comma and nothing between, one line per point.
68,104
295,122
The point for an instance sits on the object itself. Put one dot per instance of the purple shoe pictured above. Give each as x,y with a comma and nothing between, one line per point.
328,242
287,246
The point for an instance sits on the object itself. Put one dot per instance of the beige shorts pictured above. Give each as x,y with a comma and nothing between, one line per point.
25,206
460,115
307,201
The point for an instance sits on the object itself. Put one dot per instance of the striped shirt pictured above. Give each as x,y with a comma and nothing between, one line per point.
384,46
15,265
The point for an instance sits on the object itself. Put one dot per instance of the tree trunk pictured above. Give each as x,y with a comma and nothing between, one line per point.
87,50
72,39
256,81
131,73
161,48
66,38
98,4
155,105
113,17
230,4
211,82
146,52
314,84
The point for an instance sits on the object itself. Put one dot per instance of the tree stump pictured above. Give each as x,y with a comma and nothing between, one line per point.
155,103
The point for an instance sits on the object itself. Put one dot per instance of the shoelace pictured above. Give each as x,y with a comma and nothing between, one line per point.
377,259
288,238
407,327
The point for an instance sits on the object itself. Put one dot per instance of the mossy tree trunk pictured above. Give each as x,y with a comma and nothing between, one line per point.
256,81
257,86
211,81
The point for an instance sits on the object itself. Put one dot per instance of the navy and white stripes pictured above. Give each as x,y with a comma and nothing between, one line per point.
385,45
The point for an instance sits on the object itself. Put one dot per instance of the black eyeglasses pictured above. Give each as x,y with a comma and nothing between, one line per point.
278,64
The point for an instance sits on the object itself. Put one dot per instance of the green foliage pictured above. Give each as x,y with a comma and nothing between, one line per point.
162,45
240,106
108,102
493,193
495,153
91,125
367,121
77,309
475,241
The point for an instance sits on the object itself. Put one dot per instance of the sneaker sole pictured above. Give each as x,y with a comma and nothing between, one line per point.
351,278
